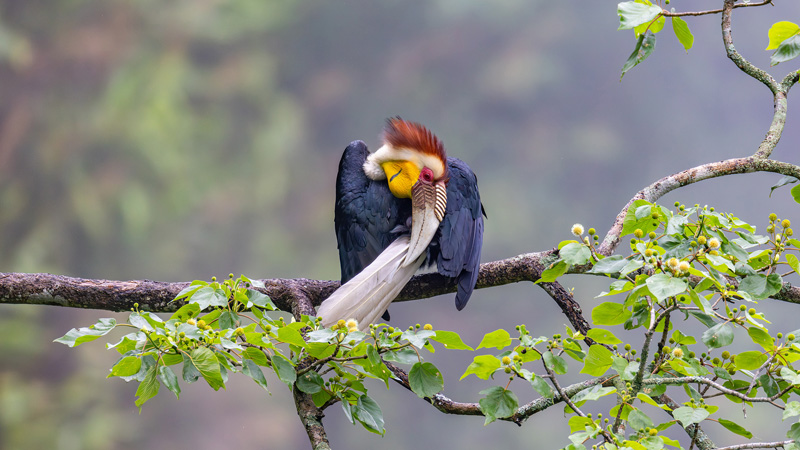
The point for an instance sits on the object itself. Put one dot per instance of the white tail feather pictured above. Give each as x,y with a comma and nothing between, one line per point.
367,295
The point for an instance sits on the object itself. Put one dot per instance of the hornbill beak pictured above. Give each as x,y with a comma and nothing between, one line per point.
428,204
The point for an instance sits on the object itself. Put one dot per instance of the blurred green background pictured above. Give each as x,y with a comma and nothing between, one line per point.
180,140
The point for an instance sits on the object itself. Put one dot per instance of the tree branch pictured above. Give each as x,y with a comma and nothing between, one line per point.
713,11
743,64
758,445
448,406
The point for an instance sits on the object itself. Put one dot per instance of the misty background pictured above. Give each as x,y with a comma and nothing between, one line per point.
181,140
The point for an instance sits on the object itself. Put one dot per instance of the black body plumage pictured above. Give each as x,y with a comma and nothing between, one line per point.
368,218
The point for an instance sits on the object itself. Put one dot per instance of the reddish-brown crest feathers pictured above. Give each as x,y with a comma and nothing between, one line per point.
402,134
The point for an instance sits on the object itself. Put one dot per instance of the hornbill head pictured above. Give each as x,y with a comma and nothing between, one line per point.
414,163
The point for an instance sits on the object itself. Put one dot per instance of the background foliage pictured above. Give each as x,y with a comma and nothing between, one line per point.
177,141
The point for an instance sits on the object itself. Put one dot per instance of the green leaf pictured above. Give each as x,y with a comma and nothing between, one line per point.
417,338
735,428
663,286
602,336
760,286
496,339
498,403
251,369
284,369
367,411
792,409
578,423
644,48
593,393
687,415
541,386
683,33
794,432
126,367
208,296
291,336
575,254
786,179
652,26
186,311
207,364
761,338
610,313
425,379
682,339
750,360
228,319
789,49
638,420
610,265
451,340
779,32
717,336
256,355
258,299
148,388
190,373
483,366
553,272
632,14
167,376
793,262
789,375
75,337
310,382
321,335
796,193
597,361
403,356
555,363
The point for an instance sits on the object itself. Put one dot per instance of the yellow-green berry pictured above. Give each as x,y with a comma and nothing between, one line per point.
506,360
701,240
790,337
648,253
638,233
508,369
751,311
726,354
191,322
786,223
592,231
773,217
653,431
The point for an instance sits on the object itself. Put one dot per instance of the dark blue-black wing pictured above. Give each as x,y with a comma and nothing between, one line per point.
365,214
461,231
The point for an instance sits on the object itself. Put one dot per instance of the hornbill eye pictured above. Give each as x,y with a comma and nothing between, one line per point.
426,174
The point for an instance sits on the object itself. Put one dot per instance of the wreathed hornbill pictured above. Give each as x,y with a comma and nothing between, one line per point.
404,206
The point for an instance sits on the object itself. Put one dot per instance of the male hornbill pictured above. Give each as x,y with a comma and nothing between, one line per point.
404,206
